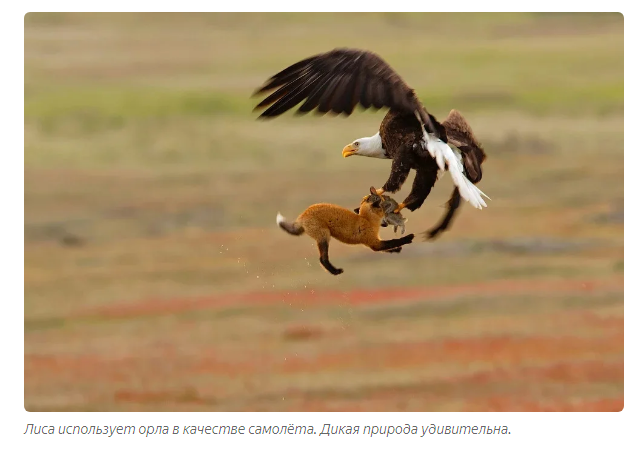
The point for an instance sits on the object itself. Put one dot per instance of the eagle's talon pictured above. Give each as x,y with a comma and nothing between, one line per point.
400,207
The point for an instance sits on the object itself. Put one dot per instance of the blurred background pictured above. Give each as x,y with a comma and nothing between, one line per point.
156,278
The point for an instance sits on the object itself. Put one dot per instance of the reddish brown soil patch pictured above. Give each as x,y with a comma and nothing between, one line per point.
355,297
496,350
502,351
302,333
79,366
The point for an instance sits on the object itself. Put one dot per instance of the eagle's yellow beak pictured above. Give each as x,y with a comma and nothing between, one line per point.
348,150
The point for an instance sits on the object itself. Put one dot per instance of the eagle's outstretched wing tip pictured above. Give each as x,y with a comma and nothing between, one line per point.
331,77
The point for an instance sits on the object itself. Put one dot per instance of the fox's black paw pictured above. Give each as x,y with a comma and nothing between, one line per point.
394,250
337,271
408,238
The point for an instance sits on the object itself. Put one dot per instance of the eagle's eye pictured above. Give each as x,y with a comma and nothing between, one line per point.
356,144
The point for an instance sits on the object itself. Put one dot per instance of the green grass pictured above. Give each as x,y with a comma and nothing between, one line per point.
113,107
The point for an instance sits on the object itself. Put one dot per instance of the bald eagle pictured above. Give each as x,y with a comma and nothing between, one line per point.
336,81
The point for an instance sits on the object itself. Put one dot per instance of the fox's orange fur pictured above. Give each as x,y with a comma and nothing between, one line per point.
323,221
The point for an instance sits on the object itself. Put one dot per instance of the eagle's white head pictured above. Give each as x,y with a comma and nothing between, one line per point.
368,147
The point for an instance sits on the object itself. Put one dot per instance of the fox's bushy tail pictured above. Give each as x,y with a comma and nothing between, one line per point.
293,228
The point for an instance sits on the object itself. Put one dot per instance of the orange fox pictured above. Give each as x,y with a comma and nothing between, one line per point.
323,221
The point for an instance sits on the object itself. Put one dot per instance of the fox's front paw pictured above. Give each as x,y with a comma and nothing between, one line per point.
394,250
408,238
337,271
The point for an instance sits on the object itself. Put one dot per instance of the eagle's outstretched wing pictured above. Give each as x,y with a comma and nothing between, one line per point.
336,82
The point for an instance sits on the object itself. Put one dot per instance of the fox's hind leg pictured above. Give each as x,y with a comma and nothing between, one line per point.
323,246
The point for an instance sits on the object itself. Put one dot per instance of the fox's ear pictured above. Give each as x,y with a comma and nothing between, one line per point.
373,191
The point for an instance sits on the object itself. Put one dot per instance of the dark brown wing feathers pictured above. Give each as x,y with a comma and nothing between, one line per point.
318,86
459,131
284,76
337,81
460,134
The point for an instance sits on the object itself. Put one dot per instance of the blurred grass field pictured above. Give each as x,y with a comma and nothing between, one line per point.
156,279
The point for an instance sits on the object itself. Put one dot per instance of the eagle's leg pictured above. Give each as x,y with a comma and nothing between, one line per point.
400,207
400,169
422,186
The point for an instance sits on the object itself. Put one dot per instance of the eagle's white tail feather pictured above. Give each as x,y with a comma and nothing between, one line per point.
444,154
440,159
